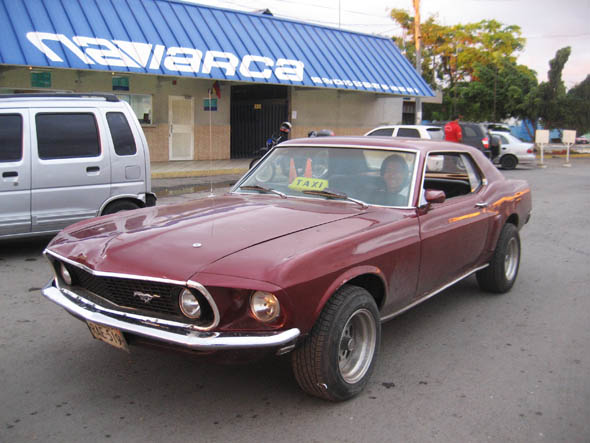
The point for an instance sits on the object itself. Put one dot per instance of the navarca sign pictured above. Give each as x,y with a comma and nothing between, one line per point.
118,53
111,54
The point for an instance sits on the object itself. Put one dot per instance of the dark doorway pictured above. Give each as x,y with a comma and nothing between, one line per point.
408,113
257,112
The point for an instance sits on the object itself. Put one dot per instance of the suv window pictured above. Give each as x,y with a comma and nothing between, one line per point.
382,131
62,135
408,132
469,131
121,134
11,136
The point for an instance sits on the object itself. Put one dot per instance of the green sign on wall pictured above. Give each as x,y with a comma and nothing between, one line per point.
120,83
41,79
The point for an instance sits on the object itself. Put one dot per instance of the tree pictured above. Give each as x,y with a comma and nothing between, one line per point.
452,54
578,107
550,96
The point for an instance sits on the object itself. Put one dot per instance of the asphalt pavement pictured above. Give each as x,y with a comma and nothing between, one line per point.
464,366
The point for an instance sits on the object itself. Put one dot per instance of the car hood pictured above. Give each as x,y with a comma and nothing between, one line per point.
175,241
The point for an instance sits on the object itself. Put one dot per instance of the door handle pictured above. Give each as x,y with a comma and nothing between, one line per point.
8,174
481,205
92,169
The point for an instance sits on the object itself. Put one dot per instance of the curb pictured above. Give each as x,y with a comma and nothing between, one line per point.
198,173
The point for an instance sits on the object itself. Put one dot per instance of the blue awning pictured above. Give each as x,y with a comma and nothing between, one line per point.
166,37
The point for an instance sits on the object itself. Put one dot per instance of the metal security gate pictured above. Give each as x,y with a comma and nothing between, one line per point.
256,114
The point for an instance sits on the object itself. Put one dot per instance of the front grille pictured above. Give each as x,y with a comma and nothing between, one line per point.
120,291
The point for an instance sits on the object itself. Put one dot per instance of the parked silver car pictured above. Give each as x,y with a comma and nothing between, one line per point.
68,157
514,151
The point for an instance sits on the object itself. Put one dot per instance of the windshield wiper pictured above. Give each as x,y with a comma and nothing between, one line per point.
336,195
262,189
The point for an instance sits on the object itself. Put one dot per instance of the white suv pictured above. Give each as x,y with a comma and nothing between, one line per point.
68,157
412,131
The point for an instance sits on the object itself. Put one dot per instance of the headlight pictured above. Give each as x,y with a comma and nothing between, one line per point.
189,305
264,306
65,274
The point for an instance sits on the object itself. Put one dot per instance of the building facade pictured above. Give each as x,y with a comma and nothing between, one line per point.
207,83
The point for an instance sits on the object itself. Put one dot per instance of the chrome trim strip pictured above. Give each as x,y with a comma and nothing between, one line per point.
199,287
166,331
113,274
192,284
432,294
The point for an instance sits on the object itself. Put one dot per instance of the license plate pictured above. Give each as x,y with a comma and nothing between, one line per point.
112,336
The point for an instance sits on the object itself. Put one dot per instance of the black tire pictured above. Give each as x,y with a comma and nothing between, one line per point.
508,162
500,275
120,205
330,363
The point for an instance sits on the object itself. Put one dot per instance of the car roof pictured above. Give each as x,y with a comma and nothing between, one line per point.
405,126
360,142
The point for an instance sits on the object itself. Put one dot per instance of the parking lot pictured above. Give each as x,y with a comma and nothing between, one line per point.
462,367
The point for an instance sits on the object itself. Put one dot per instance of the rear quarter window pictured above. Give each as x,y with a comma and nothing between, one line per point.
11,137
121,134
67,135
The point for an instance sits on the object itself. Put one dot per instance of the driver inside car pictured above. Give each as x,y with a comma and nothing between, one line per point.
395,174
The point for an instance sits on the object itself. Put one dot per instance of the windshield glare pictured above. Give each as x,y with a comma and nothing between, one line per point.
377,177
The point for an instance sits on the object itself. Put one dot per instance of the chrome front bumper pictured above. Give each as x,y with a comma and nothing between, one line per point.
176,333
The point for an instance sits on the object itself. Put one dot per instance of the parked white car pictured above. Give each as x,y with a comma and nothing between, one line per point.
514,151
412,131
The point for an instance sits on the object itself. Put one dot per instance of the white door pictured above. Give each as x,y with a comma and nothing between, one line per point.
181,131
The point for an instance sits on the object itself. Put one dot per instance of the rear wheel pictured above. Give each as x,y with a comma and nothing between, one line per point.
500,275
337,358
508,162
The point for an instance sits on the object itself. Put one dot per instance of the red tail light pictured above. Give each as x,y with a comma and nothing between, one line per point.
486,143
529,151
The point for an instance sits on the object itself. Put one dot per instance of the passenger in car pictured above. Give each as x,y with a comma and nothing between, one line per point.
396,175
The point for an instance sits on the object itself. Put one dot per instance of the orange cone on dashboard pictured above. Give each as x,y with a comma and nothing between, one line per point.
308,168
292,172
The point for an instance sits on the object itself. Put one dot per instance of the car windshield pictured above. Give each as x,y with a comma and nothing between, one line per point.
371,176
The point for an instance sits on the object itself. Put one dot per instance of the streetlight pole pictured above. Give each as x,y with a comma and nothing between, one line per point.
418,42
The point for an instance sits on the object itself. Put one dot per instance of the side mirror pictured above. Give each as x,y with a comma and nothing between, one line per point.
434,196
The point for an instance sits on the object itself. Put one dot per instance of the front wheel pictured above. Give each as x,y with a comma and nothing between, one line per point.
500,275
337,358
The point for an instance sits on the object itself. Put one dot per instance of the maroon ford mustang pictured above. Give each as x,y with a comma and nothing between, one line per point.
309,253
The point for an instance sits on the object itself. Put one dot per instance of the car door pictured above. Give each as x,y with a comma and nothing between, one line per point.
15,173
453,233
71,172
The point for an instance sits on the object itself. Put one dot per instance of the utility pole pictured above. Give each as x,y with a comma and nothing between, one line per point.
418,42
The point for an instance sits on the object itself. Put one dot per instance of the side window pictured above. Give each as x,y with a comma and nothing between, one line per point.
62,135
504,140
382,131
408,132
468,131
11,137
121,134
475,177
454,173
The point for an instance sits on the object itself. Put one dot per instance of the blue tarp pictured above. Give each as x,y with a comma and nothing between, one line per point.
166,37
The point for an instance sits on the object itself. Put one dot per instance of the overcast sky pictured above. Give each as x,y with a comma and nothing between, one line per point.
547,25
